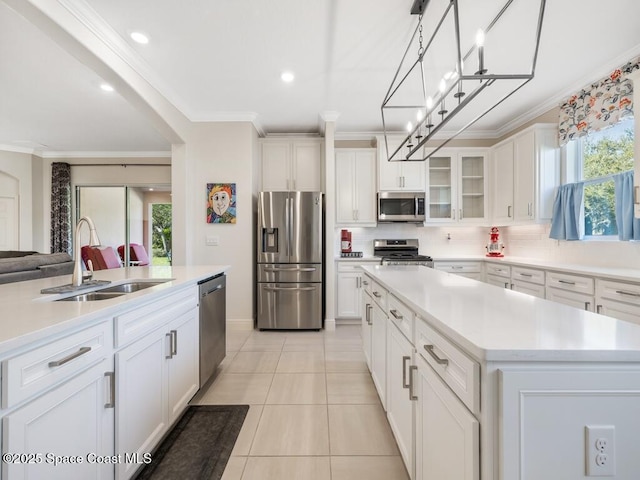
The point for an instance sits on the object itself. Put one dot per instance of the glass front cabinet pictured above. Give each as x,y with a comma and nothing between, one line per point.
457,184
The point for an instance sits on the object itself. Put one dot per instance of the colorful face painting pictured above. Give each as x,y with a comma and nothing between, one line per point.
221,203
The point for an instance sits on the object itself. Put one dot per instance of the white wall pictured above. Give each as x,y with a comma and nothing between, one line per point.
225,153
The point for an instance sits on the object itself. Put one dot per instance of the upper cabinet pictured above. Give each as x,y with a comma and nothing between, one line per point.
290,165
457,183
398,176
526,172
356,186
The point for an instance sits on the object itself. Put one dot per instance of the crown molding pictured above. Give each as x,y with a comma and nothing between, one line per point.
98,154
14,149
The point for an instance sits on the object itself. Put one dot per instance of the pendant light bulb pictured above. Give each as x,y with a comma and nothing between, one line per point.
419,116
480,37
429,103
443,85
409,127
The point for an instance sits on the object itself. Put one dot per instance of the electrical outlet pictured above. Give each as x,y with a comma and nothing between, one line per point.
600,450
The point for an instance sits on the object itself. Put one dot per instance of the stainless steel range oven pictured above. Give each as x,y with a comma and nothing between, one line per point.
400,252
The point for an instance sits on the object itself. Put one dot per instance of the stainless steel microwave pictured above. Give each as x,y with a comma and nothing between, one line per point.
405,207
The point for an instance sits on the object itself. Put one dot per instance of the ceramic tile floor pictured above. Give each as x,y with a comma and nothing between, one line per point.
314,412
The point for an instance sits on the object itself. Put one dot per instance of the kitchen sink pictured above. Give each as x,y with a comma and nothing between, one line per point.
91,297
114,291
131,287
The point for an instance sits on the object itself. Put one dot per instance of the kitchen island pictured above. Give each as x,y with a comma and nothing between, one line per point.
500,384
103,379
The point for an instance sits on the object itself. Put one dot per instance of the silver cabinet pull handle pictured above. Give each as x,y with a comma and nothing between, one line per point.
370,317
587,305
365,282
367,313
68,358
112,389
377,295
394,312
412,368
456,267
528,275
506,284
405,359
170,355
439,361
174,342
566,282
631,294
598,308
509,211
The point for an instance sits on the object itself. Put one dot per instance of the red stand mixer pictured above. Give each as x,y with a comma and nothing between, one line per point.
345,241
494,248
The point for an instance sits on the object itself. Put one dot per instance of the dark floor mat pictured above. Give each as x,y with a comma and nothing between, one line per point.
199,445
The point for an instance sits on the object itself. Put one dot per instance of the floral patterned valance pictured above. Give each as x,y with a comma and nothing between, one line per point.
599,105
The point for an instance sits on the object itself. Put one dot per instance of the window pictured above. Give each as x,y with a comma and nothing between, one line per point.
604,153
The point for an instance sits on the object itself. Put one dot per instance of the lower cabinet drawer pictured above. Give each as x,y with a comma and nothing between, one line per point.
619,291
379,294
498,270
401,316
573,283
530,275
459,267
459,372
29,373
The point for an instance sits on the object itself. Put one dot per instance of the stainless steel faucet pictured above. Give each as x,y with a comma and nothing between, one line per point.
94,241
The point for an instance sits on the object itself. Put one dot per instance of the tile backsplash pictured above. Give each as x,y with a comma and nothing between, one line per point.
531,241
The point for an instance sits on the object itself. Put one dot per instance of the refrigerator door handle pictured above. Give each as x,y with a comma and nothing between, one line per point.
312,269
274,289
287,221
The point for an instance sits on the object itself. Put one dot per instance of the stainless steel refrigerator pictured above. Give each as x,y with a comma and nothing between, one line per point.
290,260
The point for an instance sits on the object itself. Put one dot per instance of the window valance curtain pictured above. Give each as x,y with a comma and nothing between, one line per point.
599,105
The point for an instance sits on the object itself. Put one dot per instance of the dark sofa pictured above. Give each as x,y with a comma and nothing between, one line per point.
17,266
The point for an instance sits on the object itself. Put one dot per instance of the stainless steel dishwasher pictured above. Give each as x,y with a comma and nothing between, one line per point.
213,329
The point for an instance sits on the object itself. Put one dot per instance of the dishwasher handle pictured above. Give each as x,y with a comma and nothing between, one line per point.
204,294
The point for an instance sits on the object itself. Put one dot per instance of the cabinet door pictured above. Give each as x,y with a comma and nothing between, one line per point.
528,288
400,407
524,177
442,189
379,352
142,416
70,420
619,310
345,187
364,183
306,174
498,281
573,299
183,366
472,202
413,176
367,307
349,296
276,166
447,435
503,184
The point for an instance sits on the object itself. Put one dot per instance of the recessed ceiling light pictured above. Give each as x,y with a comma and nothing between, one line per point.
287,77
140,37
106,87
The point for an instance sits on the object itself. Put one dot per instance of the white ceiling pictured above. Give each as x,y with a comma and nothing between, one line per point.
222,59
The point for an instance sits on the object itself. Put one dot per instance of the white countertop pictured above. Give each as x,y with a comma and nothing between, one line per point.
29,316
496,324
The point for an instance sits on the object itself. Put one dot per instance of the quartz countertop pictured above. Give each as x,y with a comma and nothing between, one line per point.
29,316
496,324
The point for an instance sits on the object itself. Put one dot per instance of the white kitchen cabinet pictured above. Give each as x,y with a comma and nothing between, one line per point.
400,390
290,165
463,268
349,288
456,181
618,299
398,175
447,435
74,419
573,299
366,322
379,322
356,187
526,172
528,280
156,377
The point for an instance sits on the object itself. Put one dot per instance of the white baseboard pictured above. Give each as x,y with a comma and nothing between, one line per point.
239,324
329,323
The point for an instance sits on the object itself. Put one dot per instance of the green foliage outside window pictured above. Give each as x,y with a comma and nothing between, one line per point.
161,236
604,156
